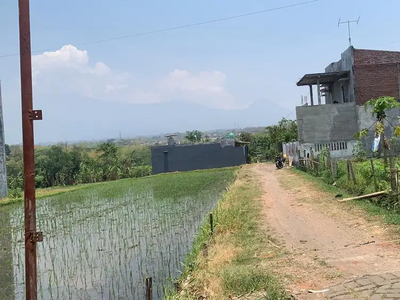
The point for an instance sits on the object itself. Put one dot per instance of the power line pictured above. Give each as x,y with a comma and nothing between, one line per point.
178,27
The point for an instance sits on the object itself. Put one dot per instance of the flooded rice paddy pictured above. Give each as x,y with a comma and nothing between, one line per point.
102,242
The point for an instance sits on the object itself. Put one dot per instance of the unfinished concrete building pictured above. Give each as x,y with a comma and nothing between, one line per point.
337,113
3,172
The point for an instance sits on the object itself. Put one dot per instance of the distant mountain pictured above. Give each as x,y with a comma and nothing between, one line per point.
89,119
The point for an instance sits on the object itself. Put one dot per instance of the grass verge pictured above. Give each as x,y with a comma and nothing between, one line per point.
370,206
230,263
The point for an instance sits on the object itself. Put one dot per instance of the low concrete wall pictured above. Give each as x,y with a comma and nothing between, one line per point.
195,157
337,149
327,123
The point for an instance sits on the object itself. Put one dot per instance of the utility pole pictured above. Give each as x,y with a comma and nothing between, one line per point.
28,116
348,26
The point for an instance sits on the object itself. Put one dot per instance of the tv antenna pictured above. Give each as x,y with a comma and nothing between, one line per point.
348,26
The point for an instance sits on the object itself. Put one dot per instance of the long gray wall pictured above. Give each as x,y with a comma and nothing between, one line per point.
3,172
195,157
327,123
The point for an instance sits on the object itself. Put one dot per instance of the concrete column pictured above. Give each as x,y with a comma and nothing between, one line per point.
3,172
311,95
319,92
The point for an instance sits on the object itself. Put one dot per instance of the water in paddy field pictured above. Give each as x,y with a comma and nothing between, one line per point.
101,243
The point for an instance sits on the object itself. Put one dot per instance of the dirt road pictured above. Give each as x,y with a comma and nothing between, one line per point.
326,243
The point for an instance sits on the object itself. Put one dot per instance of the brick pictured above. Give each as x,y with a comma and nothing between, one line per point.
377,280
351,285
370,286
396,285
389,276
376,74
376,297
363,281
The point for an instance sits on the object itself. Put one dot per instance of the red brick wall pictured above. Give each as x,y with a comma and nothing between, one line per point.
376,74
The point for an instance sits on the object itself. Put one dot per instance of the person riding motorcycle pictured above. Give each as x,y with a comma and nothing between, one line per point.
279,162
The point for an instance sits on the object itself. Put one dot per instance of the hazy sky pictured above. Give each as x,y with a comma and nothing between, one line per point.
225,65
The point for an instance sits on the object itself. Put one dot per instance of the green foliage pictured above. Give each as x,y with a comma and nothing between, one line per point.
269,142
60,165
7,149
359,152
380,106
363,133
245,137
194,136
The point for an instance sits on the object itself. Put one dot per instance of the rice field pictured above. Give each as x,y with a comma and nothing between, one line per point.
102,242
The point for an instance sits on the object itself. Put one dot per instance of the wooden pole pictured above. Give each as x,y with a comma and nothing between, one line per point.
353,176
364,196
28,116
373,174
393,176
149,288
348,170
211,224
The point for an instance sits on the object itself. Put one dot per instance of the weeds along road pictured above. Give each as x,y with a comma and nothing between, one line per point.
324,243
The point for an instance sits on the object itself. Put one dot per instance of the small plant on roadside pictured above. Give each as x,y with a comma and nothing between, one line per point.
359,152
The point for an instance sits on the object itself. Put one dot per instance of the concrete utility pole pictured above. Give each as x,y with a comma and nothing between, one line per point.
3,170
348,26
28,116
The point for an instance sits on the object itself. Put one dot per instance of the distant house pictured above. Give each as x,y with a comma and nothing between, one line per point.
345,86
188,157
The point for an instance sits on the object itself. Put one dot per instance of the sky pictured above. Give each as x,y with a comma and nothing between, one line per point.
216,75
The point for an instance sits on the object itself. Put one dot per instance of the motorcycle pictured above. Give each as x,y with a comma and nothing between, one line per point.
279,163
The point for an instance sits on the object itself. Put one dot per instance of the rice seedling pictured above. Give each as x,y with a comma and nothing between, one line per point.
102,242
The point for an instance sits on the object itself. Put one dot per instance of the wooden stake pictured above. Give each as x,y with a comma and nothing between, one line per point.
352,173
149,288
373,174
364,196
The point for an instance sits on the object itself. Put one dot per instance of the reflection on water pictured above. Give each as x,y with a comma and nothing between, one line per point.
101,247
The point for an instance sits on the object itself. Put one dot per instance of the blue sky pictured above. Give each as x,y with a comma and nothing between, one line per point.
219,67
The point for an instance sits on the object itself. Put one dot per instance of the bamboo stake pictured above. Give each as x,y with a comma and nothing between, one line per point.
364,196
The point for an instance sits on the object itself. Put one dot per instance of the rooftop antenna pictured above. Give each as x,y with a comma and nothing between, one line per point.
348,26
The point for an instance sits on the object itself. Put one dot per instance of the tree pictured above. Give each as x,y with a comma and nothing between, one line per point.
379,108
108,159
8,149
245,137
284,132
194,136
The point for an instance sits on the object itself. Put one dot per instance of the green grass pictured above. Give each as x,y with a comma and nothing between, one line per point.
235,263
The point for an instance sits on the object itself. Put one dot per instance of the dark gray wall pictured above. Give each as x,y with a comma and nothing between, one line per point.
327,123
195,157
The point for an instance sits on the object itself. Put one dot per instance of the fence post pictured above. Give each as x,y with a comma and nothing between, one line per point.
348,170
352,172
393,176
373,175
149,288
211,224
